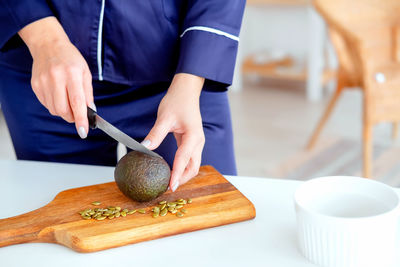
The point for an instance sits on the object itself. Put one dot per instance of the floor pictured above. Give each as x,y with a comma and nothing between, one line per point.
271,124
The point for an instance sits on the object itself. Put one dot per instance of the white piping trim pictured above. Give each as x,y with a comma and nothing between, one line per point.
99,40
212,30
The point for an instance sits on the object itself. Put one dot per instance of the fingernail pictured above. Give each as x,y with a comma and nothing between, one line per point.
82,133
93,106
146,143
175,186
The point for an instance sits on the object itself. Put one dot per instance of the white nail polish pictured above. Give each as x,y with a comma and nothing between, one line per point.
93,106
82,133
146,143
175,186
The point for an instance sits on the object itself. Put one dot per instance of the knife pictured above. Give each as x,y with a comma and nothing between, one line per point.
95,121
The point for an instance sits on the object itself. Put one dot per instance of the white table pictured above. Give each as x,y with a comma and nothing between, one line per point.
268,240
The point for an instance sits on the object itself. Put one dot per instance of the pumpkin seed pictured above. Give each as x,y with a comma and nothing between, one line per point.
96,203
174,211
118,208
171,208
142,211
181,199
123,213
183,202
171,204
131,212
111,208
155,214
163,206
163,212
189,201
117,214
86,217
178,207
156,209
162,202
125,210
179,214
91,212
100,218
111,217
183,210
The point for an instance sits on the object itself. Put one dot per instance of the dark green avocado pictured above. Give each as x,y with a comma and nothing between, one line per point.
142,177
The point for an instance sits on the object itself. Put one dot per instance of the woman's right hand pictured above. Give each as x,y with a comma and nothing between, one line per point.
61,78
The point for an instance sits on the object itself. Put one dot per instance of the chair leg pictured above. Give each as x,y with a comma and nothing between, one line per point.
394,130
367,150
324,118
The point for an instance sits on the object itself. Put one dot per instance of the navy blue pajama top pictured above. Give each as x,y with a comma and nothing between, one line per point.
134,42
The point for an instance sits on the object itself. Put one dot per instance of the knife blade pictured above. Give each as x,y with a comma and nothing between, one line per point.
95,121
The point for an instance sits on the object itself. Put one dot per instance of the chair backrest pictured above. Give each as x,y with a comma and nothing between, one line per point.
365,33
348,71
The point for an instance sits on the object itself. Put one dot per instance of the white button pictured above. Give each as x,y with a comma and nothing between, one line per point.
380,77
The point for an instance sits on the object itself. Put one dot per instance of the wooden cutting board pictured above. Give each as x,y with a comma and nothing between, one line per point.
215,202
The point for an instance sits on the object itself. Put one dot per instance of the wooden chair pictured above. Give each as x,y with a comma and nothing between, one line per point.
366,36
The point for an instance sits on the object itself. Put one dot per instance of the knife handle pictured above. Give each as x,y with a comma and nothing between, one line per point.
91,114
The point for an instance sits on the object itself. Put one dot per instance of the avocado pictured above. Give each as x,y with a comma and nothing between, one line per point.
142,177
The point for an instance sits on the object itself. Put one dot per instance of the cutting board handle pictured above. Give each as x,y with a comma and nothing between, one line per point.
16,230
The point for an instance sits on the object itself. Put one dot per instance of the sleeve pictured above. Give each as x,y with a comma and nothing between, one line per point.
16,14
210,37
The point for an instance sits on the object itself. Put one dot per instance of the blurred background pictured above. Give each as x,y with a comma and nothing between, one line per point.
299,60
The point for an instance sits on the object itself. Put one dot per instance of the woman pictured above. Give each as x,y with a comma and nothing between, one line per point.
156,69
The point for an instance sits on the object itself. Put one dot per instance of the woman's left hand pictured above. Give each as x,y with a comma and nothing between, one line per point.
179,113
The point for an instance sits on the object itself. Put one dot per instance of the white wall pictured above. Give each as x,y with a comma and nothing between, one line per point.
282,29
275,27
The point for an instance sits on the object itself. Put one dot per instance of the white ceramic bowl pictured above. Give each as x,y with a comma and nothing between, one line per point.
345,221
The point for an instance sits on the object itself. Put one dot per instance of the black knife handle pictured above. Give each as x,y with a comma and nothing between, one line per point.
91,114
